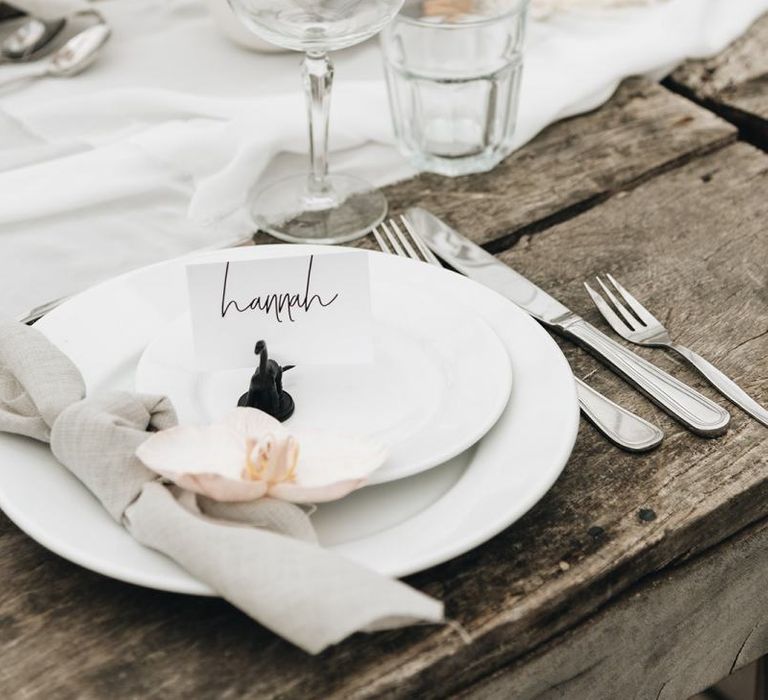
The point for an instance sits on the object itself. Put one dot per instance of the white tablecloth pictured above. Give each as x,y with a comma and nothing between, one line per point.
152,152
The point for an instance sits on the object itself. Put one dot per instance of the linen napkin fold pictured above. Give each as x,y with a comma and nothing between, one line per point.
260,556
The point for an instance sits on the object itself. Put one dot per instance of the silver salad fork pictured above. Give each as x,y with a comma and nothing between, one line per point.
622,427
638,325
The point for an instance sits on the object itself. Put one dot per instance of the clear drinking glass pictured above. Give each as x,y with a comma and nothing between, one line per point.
453,72
318,208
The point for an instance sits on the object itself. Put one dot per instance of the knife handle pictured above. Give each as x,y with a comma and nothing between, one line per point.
694,411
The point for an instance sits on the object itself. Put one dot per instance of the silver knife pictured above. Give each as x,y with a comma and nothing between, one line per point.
695,411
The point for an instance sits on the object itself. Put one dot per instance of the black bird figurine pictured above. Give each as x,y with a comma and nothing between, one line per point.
266,389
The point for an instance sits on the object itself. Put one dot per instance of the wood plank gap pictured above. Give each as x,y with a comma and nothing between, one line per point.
752,129
499,245
715,694
509,240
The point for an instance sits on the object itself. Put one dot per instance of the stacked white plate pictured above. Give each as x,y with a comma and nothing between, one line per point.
474,401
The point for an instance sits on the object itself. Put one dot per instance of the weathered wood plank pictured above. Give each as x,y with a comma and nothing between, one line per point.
693,236
670,636
734,83
572,165
692,244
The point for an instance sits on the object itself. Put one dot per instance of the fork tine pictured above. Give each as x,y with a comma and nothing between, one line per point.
608,313
383,246
642,313
392,239
403,239
629,319
428,255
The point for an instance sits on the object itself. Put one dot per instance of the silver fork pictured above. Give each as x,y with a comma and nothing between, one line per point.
391,239
638,325
622,427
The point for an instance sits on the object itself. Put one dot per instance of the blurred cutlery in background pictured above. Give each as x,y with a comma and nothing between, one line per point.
68,60
28,39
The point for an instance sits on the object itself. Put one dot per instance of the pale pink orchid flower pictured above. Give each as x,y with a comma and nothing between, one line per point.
250,454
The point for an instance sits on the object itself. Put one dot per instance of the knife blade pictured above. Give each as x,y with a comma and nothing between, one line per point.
696,412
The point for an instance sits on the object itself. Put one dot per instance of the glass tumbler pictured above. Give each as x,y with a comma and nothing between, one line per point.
453,71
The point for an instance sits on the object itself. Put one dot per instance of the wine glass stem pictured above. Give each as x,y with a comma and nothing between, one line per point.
318,80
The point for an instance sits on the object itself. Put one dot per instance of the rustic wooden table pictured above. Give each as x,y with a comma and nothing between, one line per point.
636,576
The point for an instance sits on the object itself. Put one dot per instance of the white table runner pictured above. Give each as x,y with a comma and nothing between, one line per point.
152,152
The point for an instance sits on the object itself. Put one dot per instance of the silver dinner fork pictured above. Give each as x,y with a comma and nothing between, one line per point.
638,325
622,427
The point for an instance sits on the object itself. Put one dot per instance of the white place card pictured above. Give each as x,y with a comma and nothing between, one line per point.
313,309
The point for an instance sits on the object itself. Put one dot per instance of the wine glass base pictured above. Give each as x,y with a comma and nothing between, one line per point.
283,210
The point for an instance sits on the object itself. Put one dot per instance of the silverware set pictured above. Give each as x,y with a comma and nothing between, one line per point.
619,425
33,44
419,235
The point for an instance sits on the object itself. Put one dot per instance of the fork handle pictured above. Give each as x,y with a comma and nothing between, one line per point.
727,387
694,411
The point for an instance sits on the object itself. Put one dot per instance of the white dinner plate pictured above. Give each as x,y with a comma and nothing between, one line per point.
395,528
440,379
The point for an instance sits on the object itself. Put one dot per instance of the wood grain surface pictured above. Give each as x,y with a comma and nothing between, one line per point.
672,635
652,188
573,165
734,83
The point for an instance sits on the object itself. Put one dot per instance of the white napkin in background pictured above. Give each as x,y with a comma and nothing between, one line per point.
153,151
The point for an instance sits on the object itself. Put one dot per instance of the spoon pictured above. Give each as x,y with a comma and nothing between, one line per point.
29,38
71,58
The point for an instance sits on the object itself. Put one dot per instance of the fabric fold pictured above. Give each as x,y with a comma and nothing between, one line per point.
261,556
314,599
97,438
36,385
161,144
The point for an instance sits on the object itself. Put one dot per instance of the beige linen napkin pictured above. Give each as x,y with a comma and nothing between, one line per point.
260,556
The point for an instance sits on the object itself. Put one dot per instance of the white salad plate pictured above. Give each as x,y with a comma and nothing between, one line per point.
439,381
395,528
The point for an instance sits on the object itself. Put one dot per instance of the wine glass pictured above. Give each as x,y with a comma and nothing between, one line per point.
319,207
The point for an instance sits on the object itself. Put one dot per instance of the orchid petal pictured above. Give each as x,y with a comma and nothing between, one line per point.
329,468
213,449
325,458
207,460
296,493
221,488
250,454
